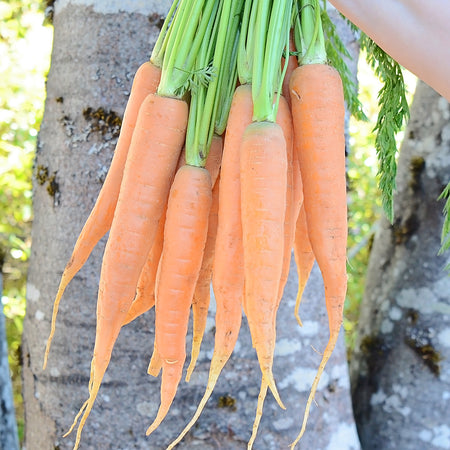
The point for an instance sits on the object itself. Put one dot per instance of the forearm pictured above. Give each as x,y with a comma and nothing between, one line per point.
415,33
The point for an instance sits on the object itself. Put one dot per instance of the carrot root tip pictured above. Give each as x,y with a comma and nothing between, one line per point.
269,379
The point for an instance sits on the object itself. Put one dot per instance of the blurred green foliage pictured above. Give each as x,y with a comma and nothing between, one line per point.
25,46
364,196
364,201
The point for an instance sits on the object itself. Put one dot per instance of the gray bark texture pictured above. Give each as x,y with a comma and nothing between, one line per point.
400,371
94,58
8,427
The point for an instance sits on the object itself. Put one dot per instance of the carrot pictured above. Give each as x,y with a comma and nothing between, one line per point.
318,110
151,161
228,263
145,289
263,183
202,294
145,297
284,119
304,258
184,242
99,221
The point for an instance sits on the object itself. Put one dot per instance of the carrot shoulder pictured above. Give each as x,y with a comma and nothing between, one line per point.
99,221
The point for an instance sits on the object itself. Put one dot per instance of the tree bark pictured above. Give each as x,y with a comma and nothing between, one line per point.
96,52
401,365
8,427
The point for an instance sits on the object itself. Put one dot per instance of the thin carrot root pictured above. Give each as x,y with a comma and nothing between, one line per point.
259,412
297,307
326,356
83,407
65,280
196,344
155,364
84,412
304,258
270,380
171,376
217,364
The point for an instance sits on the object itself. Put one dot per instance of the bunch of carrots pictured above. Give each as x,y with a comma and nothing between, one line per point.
231,154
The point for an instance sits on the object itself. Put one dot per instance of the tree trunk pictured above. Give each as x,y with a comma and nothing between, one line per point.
8,428
401,366
96,52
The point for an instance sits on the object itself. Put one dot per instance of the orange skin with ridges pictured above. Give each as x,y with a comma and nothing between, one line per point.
284,119
145,82
202,294
318,112
145,291
149,169
228,272
263,207
185,235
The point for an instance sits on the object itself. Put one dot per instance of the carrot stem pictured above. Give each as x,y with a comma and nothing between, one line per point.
310,33
246,38
205,96
187,33
157,55
272,37
228,72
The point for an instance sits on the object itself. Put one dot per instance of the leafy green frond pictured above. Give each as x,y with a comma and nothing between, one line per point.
337,53
445,237
393,113
200,77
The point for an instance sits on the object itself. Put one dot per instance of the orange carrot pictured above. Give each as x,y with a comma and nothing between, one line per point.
200,302
184,242
99,221
318,111
284,119
228,264
145,289
202,294
145,292
304,258
154,151
263,207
